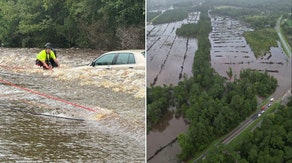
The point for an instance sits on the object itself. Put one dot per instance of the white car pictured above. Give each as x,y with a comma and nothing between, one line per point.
272,99
123,59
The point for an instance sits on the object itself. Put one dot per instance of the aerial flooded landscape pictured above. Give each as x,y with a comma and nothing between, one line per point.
175,75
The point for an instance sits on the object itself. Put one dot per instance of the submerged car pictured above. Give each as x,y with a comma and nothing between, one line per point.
123,59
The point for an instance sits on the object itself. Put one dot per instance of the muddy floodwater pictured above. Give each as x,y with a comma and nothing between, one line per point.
74,113
170,56
230,49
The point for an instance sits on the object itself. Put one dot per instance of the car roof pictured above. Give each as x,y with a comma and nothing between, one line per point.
130,50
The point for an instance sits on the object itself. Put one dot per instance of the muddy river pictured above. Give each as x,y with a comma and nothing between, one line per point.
169,56
74,113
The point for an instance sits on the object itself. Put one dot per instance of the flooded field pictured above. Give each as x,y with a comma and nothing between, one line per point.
169,57
74,113
230,49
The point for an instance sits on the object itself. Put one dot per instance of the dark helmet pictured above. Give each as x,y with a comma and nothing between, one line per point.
48,45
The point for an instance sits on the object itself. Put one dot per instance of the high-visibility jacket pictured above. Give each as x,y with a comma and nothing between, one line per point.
42,56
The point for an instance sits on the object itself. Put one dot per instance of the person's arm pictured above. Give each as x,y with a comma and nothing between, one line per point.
55,58
57,62
46,65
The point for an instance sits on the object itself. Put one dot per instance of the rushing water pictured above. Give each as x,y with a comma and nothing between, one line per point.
74,114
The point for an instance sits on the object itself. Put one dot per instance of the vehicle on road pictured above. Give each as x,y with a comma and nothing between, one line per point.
272,99
123,59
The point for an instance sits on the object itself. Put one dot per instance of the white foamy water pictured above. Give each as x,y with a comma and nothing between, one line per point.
110,103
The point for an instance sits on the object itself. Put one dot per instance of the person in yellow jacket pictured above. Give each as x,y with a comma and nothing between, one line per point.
47,58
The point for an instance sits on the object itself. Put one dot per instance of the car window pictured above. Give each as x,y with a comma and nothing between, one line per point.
125,58
107,59
131,59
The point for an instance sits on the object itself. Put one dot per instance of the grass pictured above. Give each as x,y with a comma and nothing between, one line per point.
289,22
261,41
152,15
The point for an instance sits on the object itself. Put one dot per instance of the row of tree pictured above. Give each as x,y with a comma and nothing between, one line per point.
112,24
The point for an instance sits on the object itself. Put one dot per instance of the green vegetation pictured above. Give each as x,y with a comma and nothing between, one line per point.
274,6
112,24
152,15
187,30
287,27
260,41
158,101
262,83
269,143
171,16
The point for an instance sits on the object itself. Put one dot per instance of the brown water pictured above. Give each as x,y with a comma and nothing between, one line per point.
229,49
74,114
169,57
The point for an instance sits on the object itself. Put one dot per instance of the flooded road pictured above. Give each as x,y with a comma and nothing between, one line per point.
169,58
74,114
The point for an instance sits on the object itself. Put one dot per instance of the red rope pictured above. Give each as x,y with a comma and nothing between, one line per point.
48,96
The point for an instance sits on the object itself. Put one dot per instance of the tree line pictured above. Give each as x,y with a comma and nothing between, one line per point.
112,24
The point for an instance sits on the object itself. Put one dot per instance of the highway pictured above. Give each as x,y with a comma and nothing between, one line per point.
283,42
